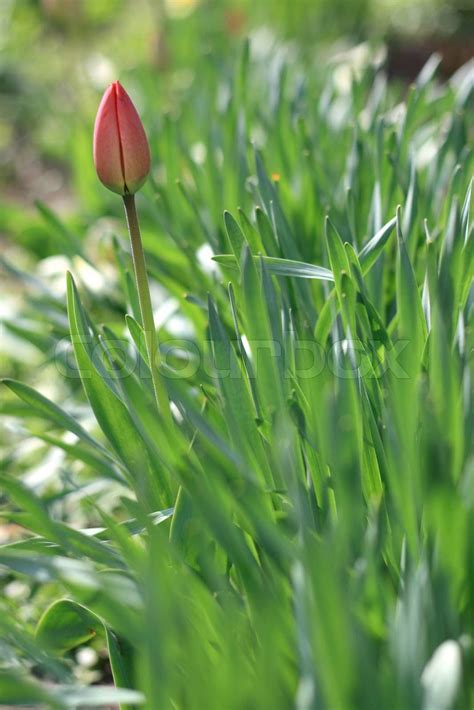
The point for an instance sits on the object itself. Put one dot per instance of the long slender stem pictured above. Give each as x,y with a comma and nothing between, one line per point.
146,310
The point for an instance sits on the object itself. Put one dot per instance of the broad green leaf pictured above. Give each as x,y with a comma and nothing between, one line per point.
106,593
65,625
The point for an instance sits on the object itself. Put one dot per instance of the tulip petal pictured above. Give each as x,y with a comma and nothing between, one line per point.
134,143
107,157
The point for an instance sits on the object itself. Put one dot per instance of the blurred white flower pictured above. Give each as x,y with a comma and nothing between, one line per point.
204,256
262,43
87,656
49,469
53,270
441,676
351,63
100,71
96,280
166,306
179,9
199,153
16,590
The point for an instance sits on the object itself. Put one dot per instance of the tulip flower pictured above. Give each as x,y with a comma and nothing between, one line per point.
122,161
121,152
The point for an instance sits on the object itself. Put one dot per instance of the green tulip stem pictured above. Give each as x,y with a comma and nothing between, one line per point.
148,323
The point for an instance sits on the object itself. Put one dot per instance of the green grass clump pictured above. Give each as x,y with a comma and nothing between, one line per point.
301,534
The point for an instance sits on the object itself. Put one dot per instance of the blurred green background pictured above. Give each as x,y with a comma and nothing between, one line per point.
57,56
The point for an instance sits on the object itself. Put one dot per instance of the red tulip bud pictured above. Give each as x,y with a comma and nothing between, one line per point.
121,152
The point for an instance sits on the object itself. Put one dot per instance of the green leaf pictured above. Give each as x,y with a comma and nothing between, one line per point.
70,696
67,240
337,254
41,523
121,655
238,408
282,267
45,409
266,352
111,414
267,233
94,459
325,319
106,593
412,325
235,234
65,625
374,247
16,689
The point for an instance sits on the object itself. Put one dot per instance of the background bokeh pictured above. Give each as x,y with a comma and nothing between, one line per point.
56,57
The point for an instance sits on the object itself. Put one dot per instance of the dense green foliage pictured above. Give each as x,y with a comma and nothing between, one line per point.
300,535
